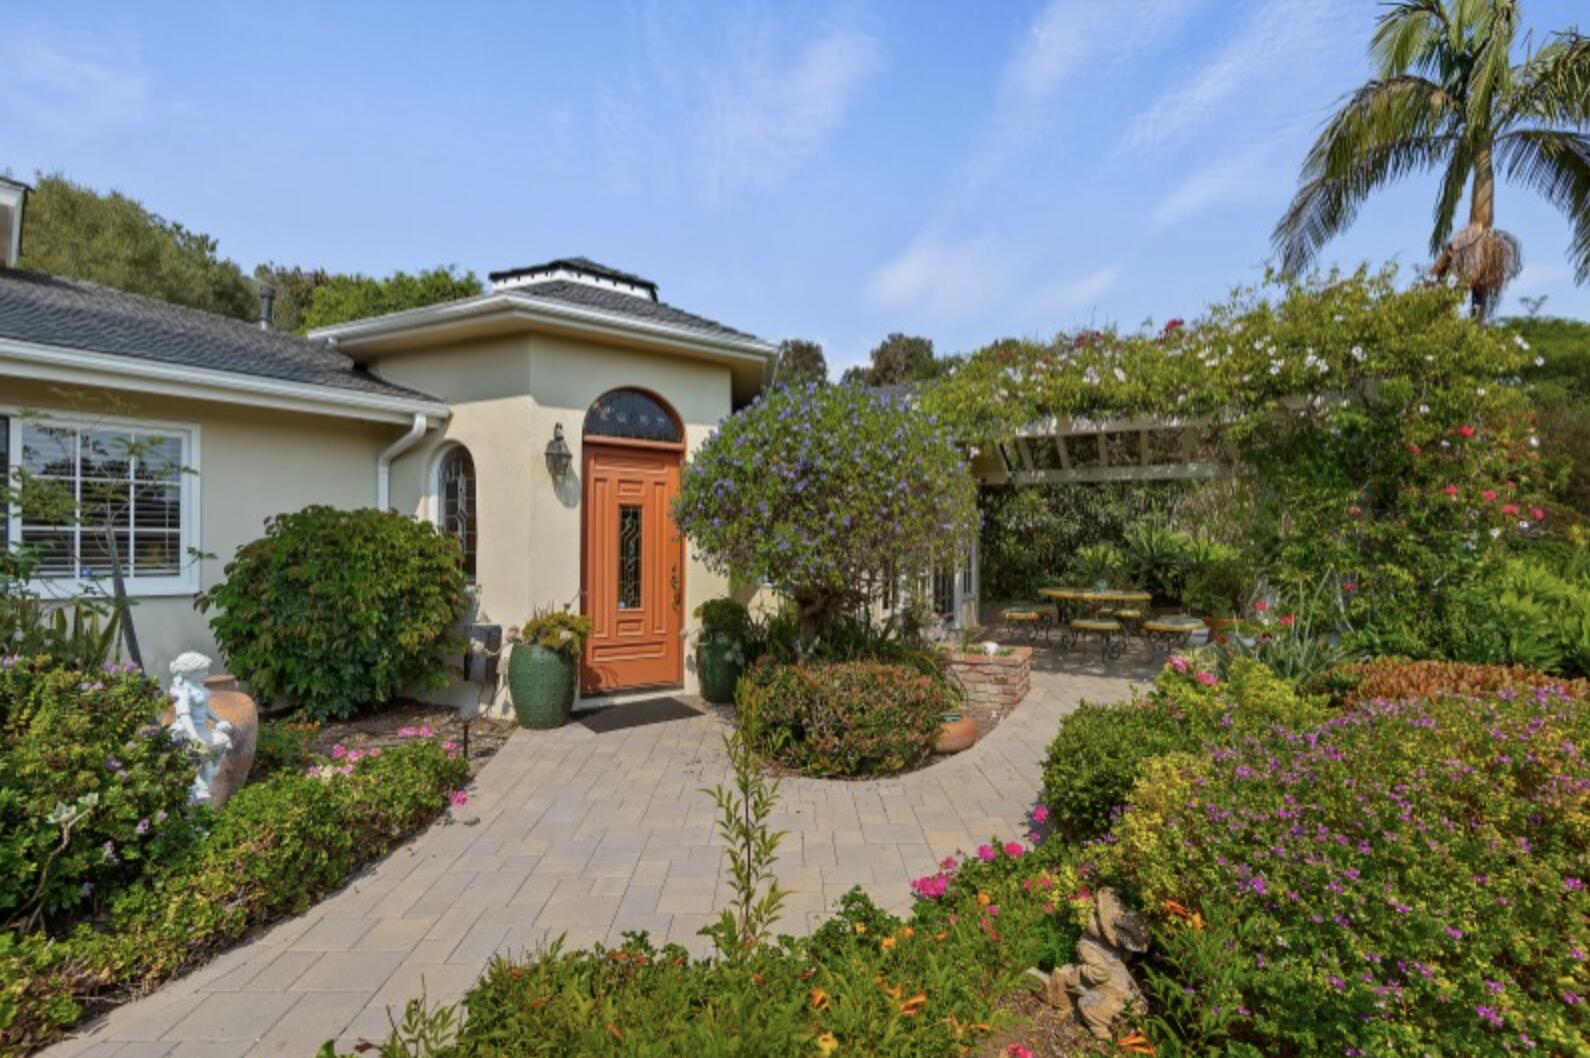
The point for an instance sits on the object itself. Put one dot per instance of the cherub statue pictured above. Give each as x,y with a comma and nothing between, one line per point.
1099,980
195,723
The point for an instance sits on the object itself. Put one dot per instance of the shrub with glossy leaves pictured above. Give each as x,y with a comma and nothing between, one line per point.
830,494
338,610
1405,878
847,718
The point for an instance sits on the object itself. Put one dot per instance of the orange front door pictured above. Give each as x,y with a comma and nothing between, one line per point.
634,568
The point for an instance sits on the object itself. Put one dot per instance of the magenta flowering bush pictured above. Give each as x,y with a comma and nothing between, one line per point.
1404,878
829,494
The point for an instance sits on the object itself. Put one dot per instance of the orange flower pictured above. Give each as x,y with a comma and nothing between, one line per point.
1136,1043
943,935
887,944
892,991
906,932
1173,908
819,999
912,1007
617,1035
983,899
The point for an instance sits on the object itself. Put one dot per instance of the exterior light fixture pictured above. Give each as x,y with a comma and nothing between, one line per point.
558,455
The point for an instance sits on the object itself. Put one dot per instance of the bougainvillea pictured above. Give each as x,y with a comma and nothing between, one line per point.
831,494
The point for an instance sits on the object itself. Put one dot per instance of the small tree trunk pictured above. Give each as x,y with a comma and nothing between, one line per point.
119,595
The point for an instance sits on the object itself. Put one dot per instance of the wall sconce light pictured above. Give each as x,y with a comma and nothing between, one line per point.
559,457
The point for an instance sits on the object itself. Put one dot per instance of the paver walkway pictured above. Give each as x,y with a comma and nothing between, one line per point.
590,835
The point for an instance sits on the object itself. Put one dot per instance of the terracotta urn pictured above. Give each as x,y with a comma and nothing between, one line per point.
231,704
956,733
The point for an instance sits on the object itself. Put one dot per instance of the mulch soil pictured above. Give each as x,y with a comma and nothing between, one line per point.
1042,1029
379,729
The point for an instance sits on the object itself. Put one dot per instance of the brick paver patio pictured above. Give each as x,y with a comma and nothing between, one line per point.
589,835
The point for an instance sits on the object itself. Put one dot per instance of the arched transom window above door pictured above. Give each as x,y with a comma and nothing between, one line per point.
631,415
456,513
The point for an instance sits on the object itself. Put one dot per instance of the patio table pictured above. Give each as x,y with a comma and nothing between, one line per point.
1172,630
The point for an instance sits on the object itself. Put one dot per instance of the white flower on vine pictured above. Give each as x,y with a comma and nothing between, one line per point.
1424,409
1495,533
1540,361
1480,392
1534,442
1358,353
1120,376
1518,340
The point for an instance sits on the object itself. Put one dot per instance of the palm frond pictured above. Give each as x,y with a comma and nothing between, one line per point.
1556,163
1454,181
1386,130
1406,34
1483,259
1491,76
1553,86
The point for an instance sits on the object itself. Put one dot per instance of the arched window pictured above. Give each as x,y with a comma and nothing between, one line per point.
455,496
632,415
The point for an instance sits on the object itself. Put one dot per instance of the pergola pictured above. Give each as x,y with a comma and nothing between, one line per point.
1139,448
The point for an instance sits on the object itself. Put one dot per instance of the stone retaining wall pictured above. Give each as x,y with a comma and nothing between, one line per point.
993,685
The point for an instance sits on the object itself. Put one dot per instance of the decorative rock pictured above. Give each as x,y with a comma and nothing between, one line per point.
233,707
192,721
1099,981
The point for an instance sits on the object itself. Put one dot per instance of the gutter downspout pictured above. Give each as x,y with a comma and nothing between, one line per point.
383,462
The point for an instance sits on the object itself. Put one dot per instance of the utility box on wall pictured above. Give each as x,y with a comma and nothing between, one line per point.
482,647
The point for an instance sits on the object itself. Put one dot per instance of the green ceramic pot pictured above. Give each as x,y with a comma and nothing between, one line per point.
719,663
541,682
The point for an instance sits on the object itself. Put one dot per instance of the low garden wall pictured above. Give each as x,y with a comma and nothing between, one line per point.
993,684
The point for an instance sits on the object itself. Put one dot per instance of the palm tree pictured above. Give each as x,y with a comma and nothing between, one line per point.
1448,96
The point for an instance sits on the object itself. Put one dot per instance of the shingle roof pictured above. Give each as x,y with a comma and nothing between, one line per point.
621,304
577,264
50,310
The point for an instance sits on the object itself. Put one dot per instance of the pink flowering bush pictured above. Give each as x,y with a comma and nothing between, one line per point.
1403,878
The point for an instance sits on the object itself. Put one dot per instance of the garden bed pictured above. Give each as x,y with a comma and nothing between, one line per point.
394,725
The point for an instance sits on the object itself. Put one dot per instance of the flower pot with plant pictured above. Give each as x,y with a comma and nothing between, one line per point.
956,732
720,648
542,666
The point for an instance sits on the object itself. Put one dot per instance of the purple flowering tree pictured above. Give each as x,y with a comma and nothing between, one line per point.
829,494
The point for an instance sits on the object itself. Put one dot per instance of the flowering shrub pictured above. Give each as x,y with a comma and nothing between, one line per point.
1404,878
830,494
276,848
339,610
92,790
847,718
1100,750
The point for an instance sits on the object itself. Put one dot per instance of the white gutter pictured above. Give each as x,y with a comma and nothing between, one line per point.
383,462
53,363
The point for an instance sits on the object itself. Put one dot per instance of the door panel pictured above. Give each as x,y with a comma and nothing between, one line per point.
633,569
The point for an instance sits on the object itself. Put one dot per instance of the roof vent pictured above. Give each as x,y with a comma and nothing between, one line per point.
13,197
267,306
575,270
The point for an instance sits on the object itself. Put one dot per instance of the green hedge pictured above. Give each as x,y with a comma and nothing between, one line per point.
847,718
339,610
276,848
82,756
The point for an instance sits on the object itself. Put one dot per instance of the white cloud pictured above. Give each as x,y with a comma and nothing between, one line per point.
1222,182
766,117
1284,43
1069,294
941,281
81,88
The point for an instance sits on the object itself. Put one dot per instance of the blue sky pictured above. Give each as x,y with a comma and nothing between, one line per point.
837,170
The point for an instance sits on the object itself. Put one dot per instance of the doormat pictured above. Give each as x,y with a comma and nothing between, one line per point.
636,714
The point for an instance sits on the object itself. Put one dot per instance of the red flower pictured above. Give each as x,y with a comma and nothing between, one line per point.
1287,620
1490,495
1174,325
1413,448
1351,585
1451,490
1509,508
1538,513
1260,606
1465,430
1355,510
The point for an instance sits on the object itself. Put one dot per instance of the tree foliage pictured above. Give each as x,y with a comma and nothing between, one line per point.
74,231
1448,98
898,358
799,362
828,493
341,298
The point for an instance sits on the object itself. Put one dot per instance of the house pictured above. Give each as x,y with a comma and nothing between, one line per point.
542,423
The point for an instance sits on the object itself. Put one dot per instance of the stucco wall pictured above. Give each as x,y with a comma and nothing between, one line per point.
507,395
252,463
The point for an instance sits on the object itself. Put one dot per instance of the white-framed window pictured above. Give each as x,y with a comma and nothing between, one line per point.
134,487
454,492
